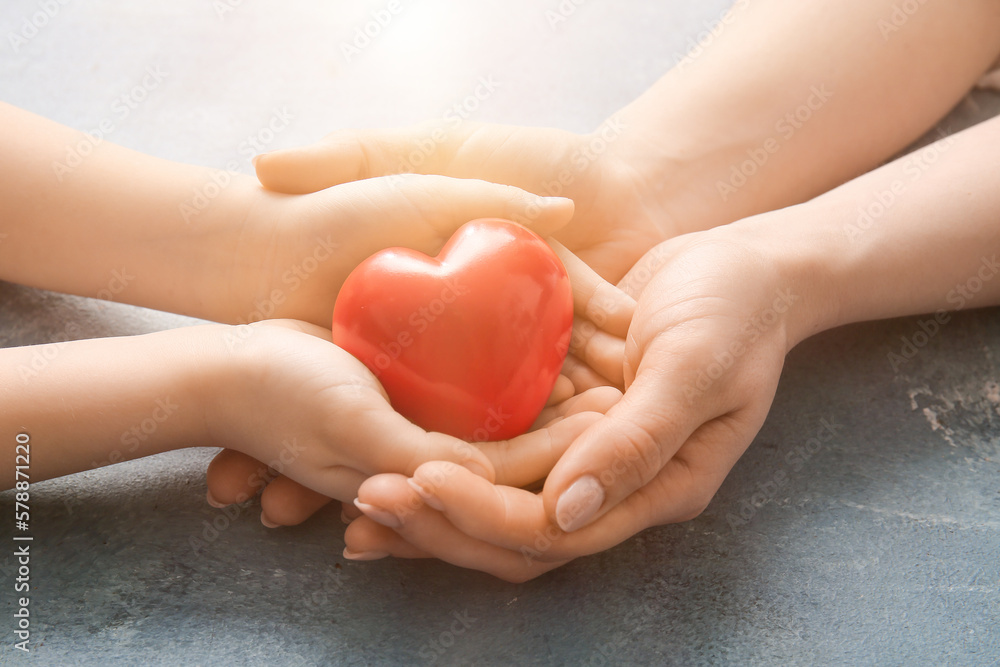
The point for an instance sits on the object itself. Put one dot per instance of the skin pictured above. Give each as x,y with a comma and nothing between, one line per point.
833,95
941,233
274,391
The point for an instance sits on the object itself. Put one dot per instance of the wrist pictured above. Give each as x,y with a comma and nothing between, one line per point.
807,264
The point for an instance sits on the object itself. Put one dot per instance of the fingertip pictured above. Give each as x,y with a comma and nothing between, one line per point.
562,390
212,501
543,215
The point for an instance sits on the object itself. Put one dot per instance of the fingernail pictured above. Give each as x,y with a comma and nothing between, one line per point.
477,469
364,555
553,201
254,159
579,503
267,522
428,498
213,502
378,515
346,519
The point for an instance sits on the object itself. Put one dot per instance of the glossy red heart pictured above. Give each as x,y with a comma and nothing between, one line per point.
468,343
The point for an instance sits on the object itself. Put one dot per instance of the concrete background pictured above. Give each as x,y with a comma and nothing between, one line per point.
880,548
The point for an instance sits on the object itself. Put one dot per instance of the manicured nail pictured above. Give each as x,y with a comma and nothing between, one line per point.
477,469
579,503
364,555
346,519
213,502
379,515
428,498
267,522
254,159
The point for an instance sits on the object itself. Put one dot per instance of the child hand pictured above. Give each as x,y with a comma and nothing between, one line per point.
594,364
618,214
658,456
292,254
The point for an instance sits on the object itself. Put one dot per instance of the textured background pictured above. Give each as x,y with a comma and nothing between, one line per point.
881,546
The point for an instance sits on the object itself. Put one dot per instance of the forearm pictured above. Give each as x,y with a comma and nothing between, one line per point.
104,221
790,99
89,403
918,235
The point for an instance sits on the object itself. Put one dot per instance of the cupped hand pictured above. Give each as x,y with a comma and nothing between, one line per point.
591,382
608,173
704,353
290,255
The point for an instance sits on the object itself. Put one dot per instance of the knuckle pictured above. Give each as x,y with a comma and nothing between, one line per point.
637,459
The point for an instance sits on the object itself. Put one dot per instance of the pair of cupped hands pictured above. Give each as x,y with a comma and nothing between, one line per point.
645,423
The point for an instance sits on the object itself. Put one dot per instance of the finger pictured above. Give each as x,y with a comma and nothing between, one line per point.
285,502
603,352
581,375
430,532
298,325
625,450
382,440
367,540
422,211
562,390
352,155
530,457
349,512
512,519
594,298
598,399
442,201
234,477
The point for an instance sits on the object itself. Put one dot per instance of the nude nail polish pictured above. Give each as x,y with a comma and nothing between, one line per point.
379,515
429,499
579,503
364,555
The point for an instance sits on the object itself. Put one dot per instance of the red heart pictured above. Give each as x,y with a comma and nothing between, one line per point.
468,343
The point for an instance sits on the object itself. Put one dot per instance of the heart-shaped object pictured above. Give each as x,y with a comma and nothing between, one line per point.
468,343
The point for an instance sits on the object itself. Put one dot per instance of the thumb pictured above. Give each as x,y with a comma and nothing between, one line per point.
353,155
624,450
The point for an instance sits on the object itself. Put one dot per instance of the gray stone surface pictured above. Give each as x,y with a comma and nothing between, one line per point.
880,546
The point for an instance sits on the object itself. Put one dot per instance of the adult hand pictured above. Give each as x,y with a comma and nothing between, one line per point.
607,173
704,353
591,382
